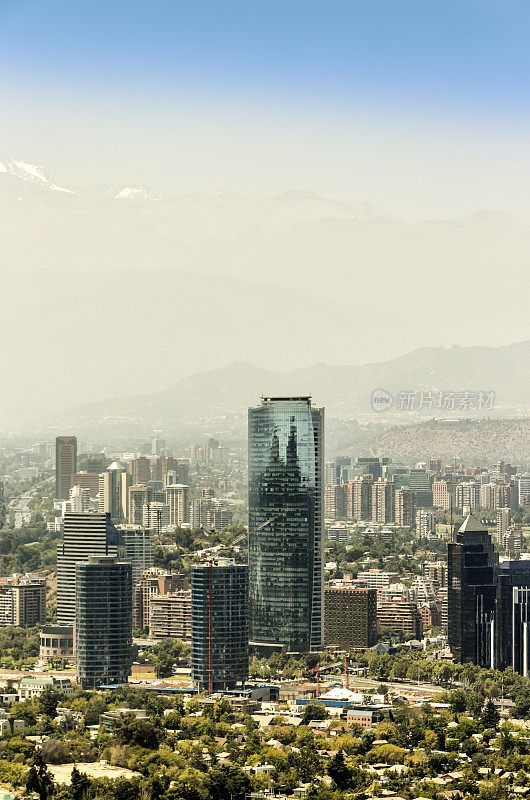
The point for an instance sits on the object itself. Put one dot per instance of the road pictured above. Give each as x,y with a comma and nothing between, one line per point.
20,505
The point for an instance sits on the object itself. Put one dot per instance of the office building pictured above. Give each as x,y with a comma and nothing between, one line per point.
405,508
177,499
103,627
113,490
84,535
79,500
467,494
88,480
286,505
350,617
443,494
420,483
136,549
22,601
376,578
140,495
170,615
65,465
56,643
219,603
503,523
333,470
472,577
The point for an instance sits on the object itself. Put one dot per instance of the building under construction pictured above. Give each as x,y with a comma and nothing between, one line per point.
219,607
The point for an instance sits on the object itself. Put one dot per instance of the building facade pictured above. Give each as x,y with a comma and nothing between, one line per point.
219,602
65,465
103,627
286,506
350,619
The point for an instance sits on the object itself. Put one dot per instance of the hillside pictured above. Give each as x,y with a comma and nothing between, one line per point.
344,391
485,441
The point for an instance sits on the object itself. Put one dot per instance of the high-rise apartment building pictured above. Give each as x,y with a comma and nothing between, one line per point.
219,603
177,499
405,507
383,501
350,618
136,549
155,516
523,490
503,523
286,505
170,615
400,615
425,523
84,535
467,494
22,601
154,582
334,502
140,470
65,465
103,627
358,497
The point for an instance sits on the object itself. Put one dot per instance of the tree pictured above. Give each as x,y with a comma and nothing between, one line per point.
48,701
227,781
39,779
314,711
339,772
490,716
133,731
79,784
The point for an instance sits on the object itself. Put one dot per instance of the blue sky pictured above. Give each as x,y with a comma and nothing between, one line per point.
430,77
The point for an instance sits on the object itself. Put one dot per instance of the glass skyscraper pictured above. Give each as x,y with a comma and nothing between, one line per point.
286,500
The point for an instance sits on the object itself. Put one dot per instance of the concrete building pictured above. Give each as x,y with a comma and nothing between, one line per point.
56,642
177,499
22,601
405,508
155,516
425,523
65,465
136,548
219,598
170,615
113,491
503,523
358,497
334,500
443,494
152,583
400,615
103,627
383,501
350,617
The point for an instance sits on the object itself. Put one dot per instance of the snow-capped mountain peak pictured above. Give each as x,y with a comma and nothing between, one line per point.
136,193
30,173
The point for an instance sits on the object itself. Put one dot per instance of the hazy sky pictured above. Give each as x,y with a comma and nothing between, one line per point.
420,107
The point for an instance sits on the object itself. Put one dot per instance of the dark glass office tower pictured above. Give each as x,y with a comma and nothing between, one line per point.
286,444
472,579
219,614
103,622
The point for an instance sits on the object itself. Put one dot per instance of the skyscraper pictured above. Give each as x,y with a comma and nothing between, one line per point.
65,465
113,490
136,549
472,579
103,628
286,444
219,614
178,501
84,535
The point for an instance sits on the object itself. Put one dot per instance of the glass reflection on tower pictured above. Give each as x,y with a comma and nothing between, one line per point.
286,520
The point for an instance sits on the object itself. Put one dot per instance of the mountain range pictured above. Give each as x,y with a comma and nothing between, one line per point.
113,291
